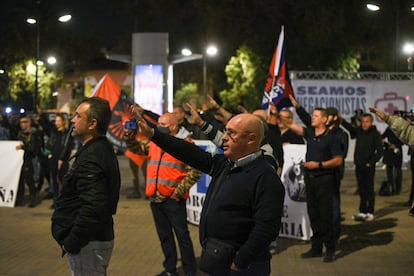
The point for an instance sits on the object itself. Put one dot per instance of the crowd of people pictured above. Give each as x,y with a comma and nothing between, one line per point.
47,146
242,211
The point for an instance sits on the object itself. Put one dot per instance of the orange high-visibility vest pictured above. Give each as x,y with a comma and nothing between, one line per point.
164,172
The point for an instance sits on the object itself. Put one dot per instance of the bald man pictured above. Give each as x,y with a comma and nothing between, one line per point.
168,183
243,205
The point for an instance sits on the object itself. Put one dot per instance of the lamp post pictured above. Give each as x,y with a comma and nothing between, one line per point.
408,49
396,12
209,51
51,60
35,21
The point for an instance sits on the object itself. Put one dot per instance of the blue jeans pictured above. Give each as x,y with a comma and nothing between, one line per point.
168,216
93,259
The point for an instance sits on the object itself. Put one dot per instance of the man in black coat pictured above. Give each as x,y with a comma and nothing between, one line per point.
368,151
82,222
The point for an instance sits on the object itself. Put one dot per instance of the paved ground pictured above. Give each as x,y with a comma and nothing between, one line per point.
381,247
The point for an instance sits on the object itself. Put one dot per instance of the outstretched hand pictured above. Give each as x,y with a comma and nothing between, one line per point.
195,117
145,129
294,102
213,102
379,113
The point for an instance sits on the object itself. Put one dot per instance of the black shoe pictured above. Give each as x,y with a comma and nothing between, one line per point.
311,254
329,258
33,201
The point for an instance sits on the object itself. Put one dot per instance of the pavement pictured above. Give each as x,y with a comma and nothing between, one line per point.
384,246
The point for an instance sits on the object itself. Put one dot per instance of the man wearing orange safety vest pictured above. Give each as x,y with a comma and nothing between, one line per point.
168,183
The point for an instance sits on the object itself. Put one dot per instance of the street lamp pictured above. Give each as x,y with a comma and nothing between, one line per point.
209,51
35,21
408,49
396,10
51,60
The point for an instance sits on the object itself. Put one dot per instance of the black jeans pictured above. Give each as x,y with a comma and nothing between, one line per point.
365,178
319,199
168,216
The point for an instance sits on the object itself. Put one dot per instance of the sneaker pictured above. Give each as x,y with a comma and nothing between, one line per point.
359,217
272,248
312,254
369,217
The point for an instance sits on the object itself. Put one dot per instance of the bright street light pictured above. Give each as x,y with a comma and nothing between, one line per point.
188,55
64,18
31,21
51,60
408,48
211,50
186,52
373,7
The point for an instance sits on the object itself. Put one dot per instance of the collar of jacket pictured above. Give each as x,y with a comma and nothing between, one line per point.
87,145
247,159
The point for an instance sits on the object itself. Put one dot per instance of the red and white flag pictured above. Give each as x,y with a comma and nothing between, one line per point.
278,86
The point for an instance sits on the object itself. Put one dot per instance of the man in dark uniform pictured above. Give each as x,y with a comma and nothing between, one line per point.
323,156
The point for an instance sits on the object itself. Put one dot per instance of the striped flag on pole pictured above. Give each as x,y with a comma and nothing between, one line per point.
278,87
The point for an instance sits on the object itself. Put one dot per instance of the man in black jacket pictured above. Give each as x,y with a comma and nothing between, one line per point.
368,151
82,222
244,201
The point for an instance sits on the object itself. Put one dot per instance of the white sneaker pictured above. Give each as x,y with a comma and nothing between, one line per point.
369,217
359,217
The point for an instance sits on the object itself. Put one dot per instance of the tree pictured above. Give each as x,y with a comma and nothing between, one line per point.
188,94
22,84
246,81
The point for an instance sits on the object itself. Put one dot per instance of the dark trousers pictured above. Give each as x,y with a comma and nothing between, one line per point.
168,216
26,176
57,175
394,177
365,178
336,201
319,199
411,198
43,172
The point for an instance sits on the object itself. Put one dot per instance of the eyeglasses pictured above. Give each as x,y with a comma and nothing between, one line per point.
24,122
231,133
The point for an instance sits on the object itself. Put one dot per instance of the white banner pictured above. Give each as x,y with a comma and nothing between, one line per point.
198,191
349,95
11,161
295,221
